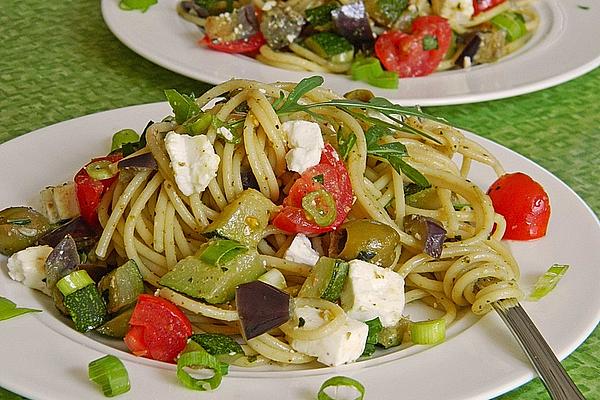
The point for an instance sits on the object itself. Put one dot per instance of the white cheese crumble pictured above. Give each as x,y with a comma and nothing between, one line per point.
342,346
306,144
301,251
193,160
269,5
371,291
27,266
456,11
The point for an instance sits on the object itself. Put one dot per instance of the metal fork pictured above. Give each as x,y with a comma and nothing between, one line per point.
554,377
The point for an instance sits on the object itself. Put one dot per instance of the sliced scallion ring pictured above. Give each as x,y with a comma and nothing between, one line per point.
548,281
512,23
100,170
341,381
221,251
122,137
200,359
74,281
110,373
428,332
320,207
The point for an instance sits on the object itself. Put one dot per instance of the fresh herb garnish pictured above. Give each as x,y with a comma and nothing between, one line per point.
301,322
9,310
430,42
183,106
15,221
345,143
583,7
318,178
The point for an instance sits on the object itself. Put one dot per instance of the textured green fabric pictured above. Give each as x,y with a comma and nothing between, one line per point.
59,61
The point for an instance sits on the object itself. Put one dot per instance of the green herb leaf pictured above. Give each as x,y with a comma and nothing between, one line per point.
303,87
345,143
430,42
15,221
9,310
183,105
142,5
318,178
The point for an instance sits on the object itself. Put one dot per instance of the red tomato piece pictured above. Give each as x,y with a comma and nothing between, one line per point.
89,191
243,46
484,5
332,172
524,205
158,329
406,54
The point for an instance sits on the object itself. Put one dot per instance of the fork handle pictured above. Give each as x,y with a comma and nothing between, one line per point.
554,377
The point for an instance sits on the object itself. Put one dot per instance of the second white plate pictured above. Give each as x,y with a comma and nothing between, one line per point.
563,48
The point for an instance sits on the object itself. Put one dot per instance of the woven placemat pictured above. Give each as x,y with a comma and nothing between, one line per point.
59,61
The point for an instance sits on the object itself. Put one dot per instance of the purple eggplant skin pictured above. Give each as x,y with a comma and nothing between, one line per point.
246,17
192,8
63,260
261,307
141,161
352,22
428,231
470,50
85,237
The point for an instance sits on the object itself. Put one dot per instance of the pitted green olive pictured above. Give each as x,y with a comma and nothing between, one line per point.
366,240
20,227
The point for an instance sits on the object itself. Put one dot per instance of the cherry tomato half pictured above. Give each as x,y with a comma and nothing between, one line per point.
524,205
89,190
418,53
243,46
484,5
331,175
157,329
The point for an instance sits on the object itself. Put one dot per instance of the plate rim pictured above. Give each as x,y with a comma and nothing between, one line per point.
488,322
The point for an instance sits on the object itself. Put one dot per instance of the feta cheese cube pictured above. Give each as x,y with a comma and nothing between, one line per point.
342,346
371,291
193,160
301,251
27,266
306,144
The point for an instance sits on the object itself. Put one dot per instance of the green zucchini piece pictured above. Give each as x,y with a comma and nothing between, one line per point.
213,283
122,286
326,279
320,17
86,307
333,47
118,326
217,344
244,219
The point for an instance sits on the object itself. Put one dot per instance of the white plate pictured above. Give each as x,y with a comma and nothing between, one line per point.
563,48
44,358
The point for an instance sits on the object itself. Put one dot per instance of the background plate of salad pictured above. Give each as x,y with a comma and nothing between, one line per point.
565,32
44,358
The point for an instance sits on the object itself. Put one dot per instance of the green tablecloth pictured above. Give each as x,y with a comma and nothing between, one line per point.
59,61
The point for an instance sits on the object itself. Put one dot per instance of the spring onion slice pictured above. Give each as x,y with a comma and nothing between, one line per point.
512,23
548,281
100,170
122,137
221,251
9,310
110,373
341,381
320,207
200,359
385,80
73,282
428,332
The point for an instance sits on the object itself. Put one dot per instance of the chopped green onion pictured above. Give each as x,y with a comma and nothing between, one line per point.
274,277
200,124
343,381
9,310
219,252
122,137
200,359
15,221
74,281
142,5
548,281
428,332
430,42
100,170
512,23
369,70
320,207
110,373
